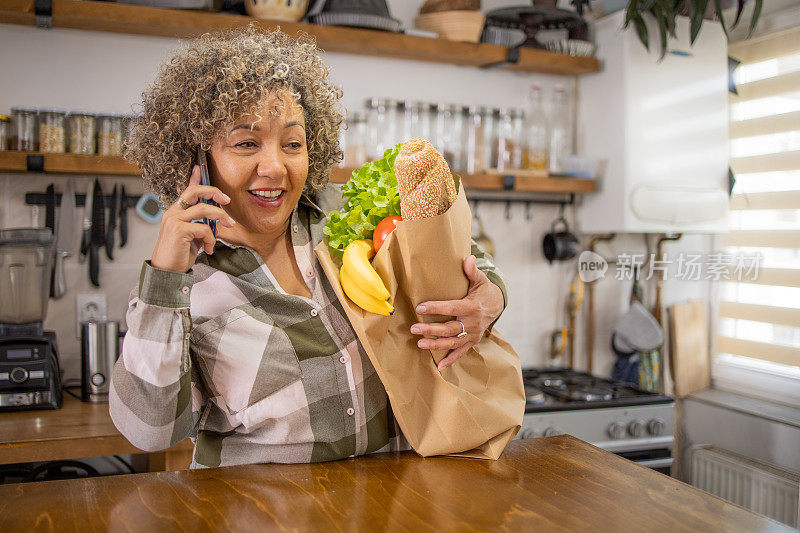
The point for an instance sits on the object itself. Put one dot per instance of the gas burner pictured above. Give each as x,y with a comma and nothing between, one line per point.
533,395
576,389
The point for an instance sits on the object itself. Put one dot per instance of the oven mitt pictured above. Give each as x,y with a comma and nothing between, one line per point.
638,330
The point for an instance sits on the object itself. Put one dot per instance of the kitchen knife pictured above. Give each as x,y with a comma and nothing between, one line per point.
123,218
65,242
98,232
50,222
86,236
112,222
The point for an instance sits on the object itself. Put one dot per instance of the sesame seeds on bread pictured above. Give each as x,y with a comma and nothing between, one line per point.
424,180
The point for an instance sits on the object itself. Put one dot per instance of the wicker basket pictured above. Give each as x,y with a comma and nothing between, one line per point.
453,25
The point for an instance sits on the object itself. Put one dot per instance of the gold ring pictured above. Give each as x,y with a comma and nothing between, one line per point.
463,330
183,203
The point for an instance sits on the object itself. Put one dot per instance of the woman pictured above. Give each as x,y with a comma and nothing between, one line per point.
244,346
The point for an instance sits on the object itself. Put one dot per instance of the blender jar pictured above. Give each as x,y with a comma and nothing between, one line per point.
26,257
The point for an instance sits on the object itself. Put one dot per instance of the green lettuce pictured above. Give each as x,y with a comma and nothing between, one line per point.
372,195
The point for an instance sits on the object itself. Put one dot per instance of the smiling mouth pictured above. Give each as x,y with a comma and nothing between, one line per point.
267,197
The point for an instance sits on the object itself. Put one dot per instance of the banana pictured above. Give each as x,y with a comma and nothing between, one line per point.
361,298
356,257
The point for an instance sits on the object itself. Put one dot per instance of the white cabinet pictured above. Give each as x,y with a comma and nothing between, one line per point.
661,127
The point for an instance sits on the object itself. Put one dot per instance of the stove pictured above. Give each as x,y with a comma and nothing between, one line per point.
616,416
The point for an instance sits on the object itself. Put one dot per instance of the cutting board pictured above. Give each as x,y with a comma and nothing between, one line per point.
689,354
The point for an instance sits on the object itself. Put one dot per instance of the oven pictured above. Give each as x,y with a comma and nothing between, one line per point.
617,417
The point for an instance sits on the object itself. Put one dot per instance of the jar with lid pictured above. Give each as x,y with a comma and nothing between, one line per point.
450,134
509,149
560,128
52,131
492,131
5,132
478,150
535,133
109,134
355,140
81,126
419,120
24,130
383,121
127,126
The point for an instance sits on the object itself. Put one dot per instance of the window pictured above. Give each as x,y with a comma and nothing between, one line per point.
759,326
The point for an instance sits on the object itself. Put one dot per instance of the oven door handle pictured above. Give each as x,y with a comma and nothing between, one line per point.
629,445
656,463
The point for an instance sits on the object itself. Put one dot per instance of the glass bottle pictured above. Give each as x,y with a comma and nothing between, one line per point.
560,129
355,141
82,132
450,134
534,130
52,131
492,130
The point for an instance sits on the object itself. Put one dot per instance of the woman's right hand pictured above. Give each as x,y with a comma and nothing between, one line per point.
179,239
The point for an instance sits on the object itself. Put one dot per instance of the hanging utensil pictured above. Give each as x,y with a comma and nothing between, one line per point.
86,226
123,218
50,221
112,222
98,233
65,241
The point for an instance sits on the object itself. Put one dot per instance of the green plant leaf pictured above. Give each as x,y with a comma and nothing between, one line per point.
698,12
718,8
754,19
641,31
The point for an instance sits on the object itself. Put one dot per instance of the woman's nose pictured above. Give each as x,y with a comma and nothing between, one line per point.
271,163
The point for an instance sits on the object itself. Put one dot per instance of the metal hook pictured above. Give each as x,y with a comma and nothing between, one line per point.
528,214
561,208
508,210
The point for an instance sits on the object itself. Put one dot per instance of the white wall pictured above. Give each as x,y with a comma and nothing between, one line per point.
107,72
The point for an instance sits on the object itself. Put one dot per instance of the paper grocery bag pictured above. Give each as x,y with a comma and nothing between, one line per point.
472,408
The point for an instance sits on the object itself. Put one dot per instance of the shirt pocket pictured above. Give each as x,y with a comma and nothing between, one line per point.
245,358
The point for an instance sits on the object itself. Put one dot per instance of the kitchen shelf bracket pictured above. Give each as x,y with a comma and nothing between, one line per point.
43,11
34,163
512,58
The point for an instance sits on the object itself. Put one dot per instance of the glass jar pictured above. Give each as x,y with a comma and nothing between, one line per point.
492,130
478,152
23,129
509,140
560,129
383,124
82,133
450,134
52,131
535,132
5,132
109,134
355,141
127,127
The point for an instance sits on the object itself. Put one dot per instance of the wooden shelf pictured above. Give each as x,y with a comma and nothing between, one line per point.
99,165
11,161
141,20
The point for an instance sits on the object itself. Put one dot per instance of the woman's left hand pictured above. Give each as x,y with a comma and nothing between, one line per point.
476,311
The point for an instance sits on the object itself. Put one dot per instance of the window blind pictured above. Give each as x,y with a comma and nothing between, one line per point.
760,315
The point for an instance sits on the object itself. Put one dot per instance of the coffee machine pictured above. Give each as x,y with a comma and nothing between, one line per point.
30,374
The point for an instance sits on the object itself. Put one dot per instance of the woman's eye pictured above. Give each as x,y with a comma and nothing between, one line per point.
294,145
246,144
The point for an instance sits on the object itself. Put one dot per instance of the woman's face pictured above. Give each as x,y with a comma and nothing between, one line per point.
261,162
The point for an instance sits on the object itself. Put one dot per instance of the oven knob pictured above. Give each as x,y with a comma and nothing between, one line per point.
616,430
655,427
19,375
636,428
552,431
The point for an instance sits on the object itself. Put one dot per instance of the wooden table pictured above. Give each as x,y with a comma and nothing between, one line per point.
549,483
78,429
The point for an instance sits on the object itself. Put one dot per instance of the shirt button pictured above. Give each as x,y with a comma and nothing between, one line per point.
185,290
351,411
343,359
314,312
187,336
294,228
310,273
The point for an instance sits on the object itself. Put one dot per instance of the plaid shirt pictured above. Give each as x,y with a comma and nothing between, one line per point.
251,374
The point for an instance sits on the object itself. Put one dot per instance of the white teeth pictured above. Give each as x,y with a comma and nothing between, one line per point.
267,194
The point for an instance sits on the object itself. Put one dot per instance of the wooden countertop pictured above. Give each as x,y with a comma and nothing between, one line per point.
78,429
549,483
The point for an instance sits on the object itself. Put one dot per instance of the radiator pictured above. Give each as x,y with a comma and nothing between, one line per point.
759,487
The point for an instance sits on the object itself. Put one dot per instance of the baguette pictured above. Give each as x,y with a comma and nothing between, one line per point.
424,181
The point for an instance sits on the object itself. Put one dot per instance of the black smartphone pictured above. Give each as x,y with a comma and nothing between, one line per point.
205,180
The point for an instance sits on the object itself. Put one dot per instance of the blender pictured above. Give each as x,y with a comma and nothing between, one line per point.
30,375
